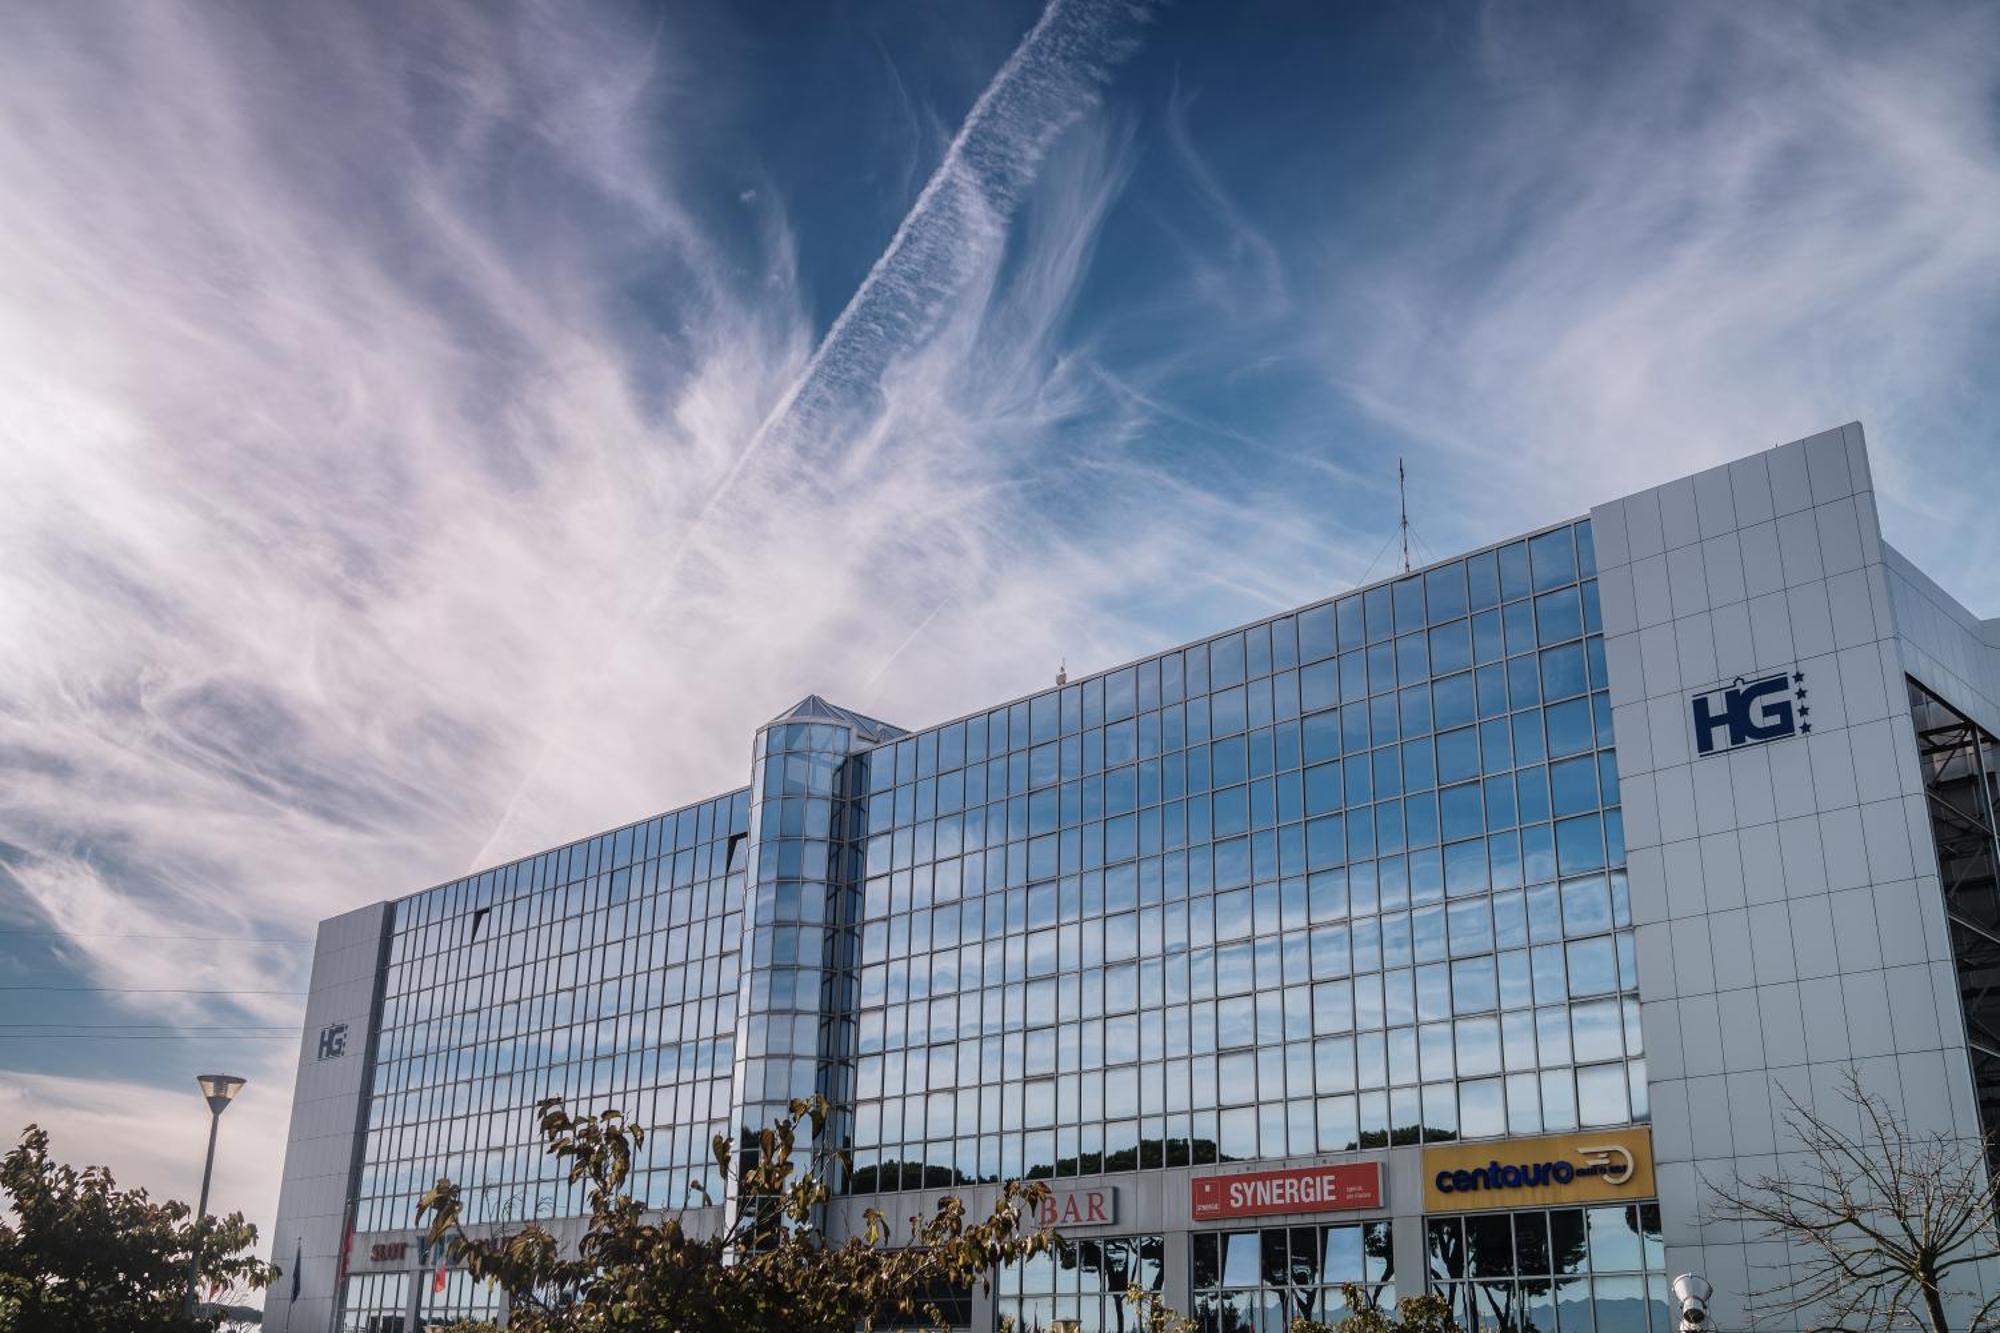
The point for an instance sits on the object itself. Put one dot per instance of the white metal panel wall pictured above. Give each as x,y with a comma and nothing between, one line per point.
1789,917
326,1119
1944,645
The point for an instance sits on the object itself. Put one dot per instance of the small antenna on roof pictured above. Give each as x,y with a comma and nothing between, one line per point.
1403,502
1062,671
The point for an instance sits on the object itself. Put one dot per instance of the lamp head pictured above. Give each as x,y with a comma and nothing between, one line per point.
219,1089
1691,1292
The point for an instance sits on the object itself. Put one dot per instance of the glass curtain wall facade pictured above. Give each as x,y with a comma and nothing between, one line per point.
1298,956
1089,1282
796,1003
604,972
1347,878
1342,879
1248,1281
1600,1270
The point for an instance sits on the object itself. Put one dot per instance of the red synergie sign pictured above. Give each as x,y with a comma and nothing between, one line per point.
1311,1189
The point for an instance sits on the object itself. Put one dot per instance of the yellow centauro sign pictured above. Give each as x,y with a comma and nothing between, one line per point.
1613,1167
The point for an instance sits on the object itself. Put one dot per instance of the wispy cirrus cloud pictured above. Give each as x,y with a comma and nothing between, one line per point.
1652,240
374,504
378,390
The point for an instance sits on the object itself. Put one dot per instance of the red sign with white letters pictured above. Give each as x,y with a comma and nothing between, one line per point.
1311,1189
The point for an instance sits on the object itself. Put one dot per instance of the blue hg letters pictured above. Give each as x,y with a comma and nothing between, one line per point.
1748,713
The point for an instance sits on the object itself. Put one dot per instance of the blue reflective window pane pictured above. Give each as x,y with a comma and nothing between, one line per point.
1353,676
1325,842
1564,674
1388,772
1482,574
1457,755
1359,782
1492,690
1419,765
1318,686
1524,681
1586,905
1353,728
1570,728
1414,711
1420,818
1413,663
1229,762
1451,647
1381,668
1320,736
1559,616
1379,613
1519,621
1389,827
1461,811
1409,604
1228,711
1382,718
1257,650
1573,784
1316,633
1225,661
1553,555
1348,622
1579,844
1444,591
1452,701
1489,641
1538,853
1514,571
1529,745
1465,867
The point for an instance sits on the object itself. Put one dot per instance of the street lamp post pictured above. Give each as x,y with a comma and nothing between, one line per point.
219,1090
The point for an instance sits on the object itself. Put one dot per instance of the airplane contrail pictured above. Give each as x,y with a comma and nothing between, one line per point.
951,232
958,220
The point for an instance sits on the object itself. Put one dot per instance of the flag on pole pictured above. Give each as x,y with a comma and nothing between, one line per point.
298,1262
437,1282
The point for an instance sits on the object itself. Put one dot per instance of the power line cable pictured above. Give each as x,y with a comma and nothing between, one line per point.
149,990
1377,560
168,1027
202,939
144,1036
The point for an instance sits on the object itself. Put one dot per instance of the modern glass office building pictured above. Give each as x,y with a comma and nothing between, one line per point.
1446,934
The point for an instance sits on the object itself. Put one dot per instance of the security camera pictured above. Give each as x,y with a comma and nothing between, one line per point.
1692,1293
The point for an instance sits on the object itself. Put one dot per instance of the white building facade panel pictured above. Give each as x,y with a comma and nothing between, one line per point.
1792,926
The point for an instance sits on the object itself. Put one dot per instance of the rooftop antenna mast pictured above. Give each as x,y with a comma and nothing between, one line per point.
1403,502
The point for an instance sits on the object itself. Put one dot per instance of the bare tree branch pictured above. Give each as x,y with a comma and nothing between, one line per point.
1875,1225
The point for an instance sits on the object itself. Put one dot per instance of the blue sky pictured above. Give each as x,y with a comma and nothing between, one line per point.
431,433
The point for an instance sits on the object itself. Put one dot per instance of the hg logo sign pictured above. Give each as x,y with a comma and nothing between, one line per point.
1751,712
333,1041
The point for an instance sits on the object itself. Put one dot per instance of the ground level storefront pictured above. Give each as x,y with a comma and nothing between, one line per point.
1559,1234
